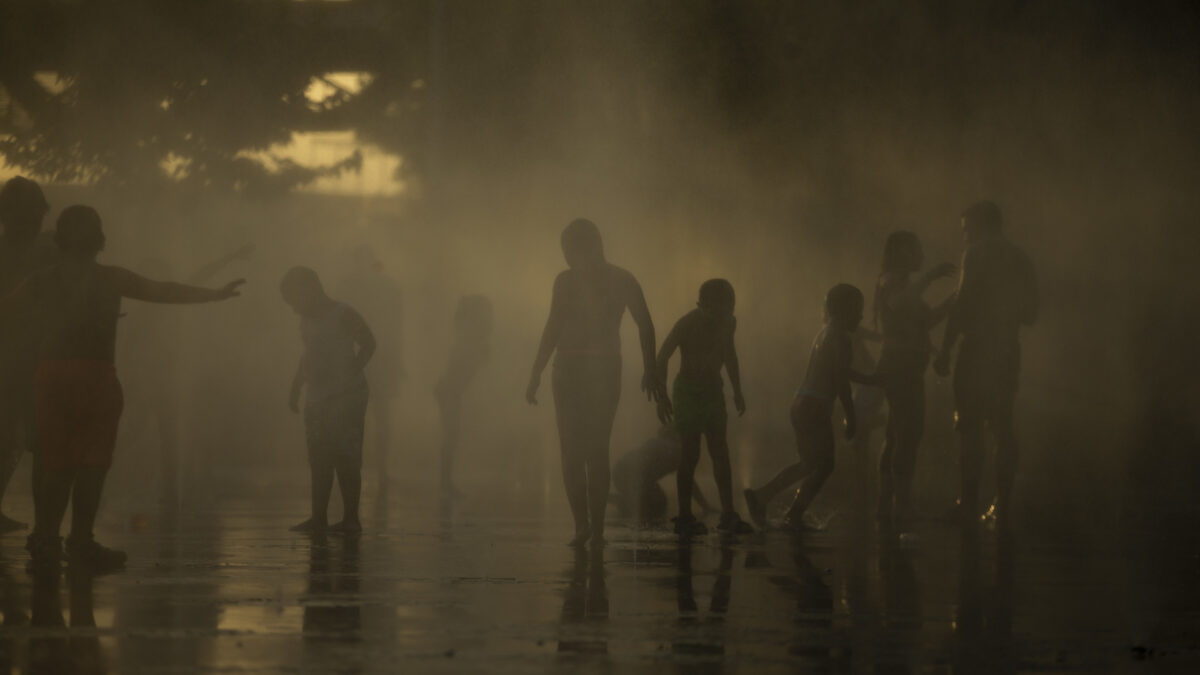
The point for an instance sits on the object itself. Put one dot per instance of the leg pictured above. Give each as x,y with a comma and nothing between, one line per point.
972,461
1007,454
349,478
85,502
450,407
909,434
15,423
887,483
598,483
567,413
685,476
56,494
575,480
820,467
718,450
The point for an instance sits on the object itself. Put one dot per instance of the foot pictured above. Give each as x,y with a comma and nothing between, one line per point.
45,553
9,525
580,539
688,526
756,509
732,523
89,556
310,525
347,527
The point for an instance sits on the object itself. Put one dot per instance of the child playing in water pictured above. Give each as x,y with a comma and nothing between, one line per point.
337,346
828,378
469,353
635,476
704,338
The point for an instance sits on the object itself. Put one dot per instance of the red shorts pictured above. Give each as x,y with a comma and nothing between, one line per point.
77,405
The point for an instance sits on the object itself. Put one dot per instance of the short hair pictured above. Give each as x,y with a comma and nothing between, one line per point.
300,278
984,214
583,237
716,293
19,192
843,301
79,229
897,242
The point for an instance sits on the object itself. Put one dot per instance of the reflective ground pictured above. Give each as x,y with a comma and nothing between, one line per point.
231,590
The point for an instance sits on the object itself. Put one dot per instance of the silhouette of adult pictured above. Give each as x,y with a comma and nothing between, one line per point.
583,332
24,249
997,294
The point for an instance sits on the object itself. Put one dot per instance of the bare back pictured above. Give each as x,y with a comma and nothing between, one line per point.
589,304
705,340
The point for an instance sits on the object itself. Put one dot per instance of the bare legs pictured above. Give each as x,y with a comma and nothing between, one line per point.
814,440
586,392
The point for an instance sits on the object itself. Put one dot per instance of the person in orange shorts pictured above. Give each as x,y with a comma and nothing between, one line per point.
77,397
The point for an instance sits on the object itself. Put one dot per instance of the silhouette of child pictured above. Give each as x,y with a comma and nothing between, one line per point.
636,475
828,378
469,353
337,346
905,318
704,337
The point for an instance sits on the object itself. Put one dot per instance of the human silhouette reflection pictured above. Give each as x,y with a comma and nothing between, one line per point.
901,605
983,629
64,652
585,604
702,637
814,608
332,608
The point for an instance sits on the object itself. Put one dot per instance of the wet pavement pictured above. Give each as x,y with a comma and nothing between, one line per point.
478,591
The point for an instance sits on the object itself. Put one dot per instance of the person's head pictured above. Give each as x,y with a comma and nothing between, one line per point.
22,208
981,221
902,253
844,306
581,244
301,288
473,317
79,231
716,295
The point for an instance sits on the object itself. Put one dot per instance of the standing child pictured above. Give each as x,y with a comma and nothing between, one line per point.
337,346
469,353
828,378
704,337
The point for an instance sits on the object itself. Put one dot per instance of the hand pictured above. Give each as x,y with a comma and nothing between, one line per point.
655,390
230,290
666,412
941,365
942,271
851,427
535,381
739,402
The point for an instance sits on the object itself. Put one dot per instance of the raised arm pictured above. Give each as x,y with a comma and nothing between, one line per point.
636,302
357,326
207,271
550,337
137,287
661,366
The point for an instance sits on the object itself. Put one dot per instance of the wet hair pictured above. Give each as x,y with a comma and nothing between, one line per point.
20,193
302,279
581,241
716,293
79,229
898,242
985,215
473,316
843,301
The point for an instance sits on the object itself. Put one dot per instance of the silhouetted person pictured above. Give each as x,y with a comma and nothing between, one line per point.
997,294
469,352
827,379
23,251
337,346
78,400
377,296
905,319
583,330
704,337
636,474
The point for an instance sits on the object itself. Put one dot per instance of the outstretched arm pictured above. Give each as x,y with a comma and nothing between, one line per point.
137,287
662,364
636,302
550,337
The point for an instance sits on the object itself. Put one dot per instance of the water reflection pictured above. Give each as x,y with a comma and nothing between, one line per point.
53,648
585,604
702,639
332,606
901,606
983,629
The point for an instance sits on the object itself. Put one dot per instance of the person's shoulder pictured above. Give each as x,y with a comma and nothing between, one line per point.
622,275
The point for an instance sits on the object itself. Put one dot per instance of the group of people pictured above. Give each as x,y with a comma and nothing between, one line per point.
996,295
61,399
